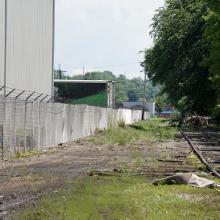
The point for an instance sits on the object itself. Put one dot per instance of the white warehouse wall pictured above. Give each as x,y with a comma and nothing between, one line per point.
2,40
30,30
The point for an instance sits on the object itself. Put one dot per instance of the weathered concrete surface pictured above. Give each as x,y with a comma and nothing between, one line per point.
23,181
33,125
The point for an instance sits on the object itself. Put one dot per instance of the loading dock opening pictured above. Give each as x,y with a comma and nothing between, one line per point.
107,85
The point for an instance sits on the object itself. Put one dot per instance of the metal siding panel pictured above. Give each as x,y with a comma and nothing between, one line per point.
30,45
2,40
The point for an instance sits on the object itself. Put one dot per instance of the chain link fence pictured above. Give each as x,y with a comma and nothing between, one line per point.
27,125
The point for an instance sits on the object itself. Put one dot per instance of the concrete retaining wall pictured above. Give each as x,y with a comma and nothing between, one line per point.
33,125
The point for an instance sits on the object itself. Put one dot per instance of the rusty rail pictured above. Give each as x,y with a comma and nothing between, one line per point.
199,155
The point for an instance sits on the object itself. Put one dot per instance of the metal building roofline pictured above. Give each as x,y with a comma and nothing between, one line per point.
83,81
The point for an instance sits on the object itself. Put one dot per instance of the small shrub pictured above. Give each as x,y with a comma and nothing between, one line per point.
20,155
121,124
152,130
121,140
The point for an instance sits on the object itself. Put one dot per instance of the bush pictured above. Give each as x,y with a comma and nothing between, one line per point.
216,113
121,124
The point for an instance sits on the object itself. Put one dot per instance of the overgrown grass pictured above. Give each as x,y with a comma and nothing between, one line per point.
94,100
27,154
193,159
126,198
152,130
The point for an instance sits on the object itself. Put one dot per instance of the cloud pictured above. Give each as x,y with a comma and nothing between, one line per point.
103,33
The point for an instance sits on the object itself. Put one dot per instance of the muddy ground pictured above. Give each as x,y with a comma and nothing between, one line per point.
23,181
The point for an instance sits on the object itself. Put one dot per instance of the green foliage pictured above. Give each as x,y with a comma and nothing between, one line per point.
216,112
132,90
184,54
152,130
121,124
193,159
132,96
161,101
212,34
106,75
126,198
27,154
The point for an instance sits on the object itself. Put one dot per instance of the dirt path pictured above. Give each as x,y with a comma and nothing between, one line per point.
25,180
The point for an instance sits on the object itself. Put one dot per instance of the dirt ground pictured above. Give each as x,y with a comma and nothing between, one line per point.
23,181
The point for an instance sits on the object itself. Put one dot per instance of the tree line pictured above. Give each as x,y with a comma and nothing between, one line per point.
185,58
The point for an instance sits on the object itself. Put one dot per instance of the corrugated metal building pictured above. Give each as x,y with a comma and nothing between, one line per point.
27,44
2,40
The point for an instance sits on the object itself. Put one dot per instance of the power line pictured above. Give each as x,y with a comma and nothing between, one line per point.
116,65
108,66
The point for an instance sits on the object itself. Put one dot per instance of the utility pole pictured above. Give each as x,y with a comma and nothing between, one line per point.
60,72
144,98
83,72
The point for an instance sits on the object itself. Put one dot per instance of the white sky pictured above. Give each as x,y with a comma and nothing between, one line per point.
103,33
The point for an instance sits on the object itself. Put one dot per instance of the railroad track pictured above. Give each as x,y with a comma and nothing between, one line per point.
206,146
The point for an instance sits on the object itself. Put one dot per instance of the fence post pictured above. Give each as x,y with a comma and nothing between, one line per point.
14,118
33,123
3,127
46,125
39,118
25,121
15,125
2,143
39,125
2,132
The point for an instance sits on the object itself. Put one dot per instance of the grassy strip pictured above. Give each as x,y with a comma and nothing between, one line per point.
94,100
27,154
152,130
126,198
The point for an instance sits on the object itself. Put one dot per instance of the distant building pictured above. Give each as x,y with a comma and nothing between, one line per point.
27,44
108,87
150,106
168,114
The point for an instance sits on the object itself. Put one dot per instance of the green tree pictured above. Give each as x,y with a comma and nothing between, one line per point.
177,59
161,102
212,34
132,96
